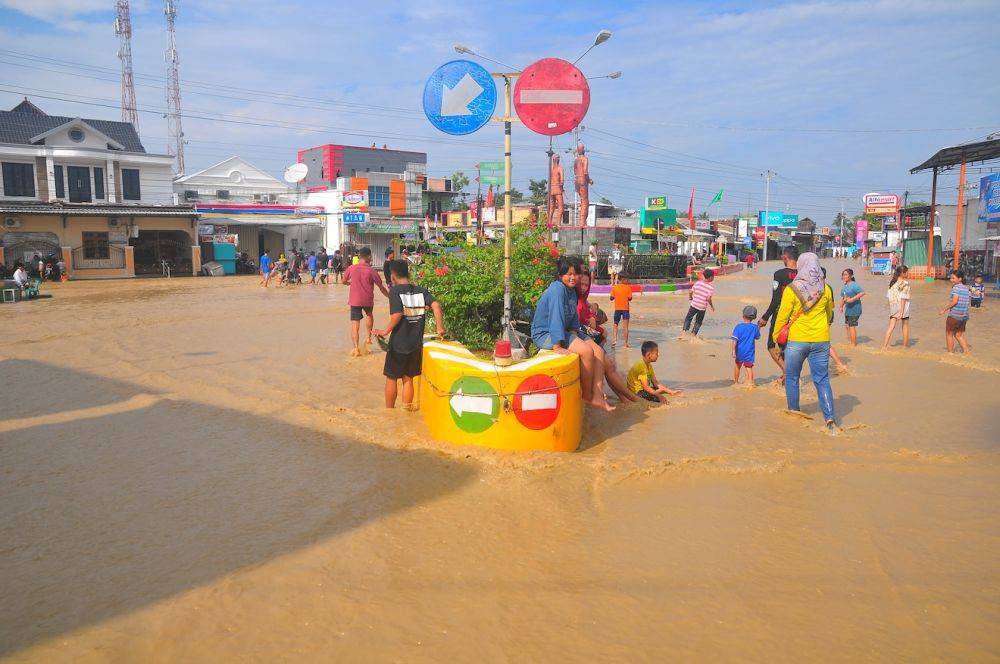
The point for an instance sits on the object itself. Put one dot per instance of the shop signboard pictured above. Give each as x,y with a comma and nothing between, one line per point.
225,238
881,204
651,220
656,202
355,217
777,219
742,227
876,236
206,229
118,237
861,231
355,199
702,224
989,199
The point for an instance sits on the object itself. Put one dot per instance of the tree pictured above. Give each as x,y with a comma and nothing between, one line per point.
459,181
606,201
539,191
702,215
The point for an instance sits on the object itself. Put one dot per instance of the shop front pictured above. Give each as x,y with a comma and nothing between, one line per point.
101,242
379,234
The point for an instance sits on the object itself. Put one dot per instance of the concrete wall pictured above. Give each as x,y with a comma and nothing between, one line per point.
973,232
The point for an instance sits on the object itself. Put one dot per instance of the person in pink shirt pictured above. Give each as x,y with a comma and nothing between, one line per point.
701,299
362,278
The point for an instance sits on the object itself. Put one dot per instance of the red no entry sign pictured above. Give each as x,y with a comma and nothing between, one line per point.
551,97
537,401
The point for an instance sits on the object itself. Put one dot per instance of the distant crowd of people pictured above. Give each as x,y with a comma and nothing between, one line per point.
51,268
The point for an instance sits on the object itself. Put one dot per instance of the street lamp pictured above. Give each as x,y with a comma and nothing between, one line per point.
602,36
614,74
465,50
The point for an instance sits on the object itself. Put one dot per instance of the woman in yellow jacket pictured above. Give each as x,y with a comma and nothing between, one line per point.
808,305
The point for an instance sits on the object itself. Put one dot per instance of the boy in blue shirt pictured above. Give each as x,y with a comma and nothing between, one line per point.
745,336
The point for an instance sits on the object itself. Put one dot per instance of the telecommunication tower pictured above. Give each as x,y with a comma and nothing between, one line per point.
123,28
175,132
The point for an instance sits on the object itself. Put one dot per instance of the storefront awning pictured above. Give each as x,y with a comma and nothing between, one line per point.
260,220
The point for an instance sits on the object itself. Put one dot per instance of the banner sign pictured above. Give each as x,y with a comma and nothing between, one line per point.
742,228
356,199
777,219
702,224
861,231
656,202
225,238
881,204
308,211
989,198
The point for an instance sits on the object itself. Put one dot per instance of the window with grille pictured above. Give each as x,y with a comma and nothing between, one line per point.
18,179
130,184
96,246
378,196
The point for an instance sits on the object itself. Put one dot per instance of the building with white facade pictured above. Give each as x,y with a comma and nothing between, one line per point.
86,191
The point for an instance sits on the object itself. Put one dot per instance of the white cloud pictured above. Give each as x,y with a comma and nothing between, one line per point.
57,12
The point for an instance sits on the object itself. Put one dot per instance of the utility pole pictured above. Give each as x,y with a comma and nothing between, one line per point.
959,217
175,132
841,225
123,28
548,200
767,208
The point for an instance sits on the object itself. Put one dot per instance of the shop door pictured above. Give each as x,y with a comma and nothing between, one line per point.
154,247
79,184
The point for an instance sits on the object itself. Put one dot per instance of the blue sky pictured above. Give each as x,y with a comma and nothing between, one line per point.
839,98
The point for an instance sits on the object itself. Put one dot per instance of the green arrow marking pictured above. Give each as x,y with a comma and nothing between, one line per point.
474,404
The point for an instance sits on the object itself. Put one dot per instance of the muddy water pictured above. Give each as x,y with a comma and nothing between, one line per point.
195,469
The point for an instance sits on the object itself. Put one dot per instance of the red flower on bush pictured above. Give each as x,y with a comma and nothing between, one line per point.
441,271
539,282
554,252
536,260
421,274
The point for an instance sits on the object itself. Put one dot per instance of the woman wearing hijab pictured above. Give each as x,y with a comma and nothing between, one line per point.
587,313
807,308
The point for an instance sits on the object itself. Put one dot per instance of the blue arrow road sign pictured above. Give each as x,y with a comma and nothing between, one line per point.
459,97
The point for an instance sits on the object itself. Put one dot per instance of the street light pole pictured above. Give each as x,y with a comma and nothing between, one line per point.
508,213
767,209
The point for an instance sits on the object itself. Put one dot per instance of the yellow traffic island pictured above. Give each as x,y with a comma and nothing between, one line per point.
533,404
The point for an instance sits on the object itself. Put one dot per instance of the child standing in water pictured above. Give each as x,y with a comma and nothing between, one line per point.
642,381
899,306
850,304
745,336
958,312
701,299
408,306
977,292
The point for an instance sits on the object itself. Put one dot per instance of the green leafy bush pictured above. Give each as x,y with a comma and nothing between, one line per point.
469,283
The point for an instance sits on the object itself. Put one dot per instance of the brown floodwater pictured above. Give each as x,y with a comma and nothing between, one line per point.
196,470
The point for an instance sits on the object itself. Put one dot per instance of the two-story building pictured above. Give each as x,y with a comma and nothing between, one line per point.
398,195
88,192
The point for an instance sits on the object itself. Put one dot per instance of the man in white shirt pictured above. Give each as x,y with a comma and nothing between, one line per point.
21,276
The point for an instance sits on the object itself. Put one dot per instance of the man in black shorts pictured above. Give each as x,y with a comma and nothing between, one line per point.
782,279
408,305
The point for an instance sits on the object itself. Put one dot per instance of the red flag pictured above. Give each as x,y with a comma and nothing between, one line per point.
489,198
691,210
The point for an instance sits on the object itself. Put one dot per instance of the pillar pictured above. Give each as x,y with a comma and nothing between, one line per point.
67,256
111,188
195,260
129,261
50,179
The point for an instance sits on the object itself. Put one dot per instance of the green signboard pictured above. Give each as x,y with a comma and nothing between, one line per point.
474,404
652,220
490,166
492,179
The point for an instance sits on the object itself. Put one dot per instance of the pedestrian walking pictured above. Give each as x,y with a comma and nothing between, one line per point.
958,313
899,306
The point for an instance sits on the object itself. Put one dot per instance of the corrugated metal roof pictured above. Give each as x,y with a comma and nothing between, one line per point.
969,153
98,210
26,120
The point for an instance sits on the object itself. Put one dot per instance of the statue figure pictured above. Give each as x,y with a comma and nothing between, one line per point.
556,192
581,173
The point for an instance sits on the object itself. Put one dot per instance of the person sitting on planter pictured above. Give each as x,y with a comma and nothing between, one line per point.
556,326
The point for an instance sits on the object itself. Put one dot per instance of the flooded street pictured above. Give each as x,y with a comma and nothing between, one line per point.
195,469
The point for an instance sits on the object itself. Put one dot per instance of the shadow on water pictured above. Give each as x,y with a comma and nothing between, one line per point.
105,513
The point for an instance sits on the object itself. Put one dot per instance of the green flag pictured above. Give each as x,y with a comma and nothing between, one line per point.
718,197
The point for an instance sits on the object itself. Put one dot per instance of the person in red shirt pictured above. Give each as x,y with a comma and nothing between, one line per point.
362,278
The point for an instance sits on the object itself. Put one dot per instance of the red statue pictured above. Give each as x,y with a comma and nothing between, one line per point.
581,173
556,193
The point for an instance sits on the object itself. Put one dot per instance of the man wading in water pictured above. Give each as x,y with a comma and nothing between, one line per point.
782,278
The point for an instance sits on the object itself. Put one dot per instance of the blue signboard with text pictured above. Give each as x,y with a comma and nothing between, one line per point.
989,198
355,217
459,97
777,219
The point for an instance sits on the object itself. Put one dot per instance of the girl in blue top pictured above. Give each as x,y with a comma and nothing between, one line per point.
850,304
556,326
